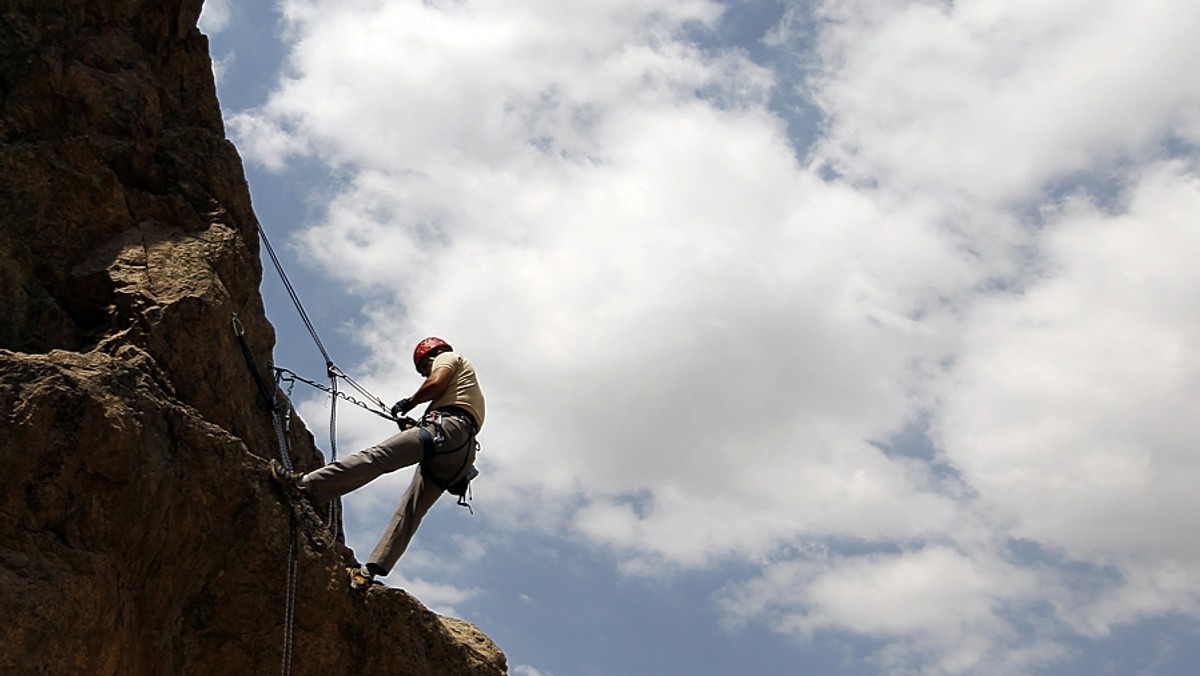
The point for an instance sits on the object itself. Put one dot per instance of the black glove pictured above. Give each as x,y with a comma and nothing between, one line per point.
401,407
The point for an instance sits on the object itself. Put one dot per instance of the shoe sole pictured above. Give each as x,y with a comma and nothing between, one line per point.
357,581
289,488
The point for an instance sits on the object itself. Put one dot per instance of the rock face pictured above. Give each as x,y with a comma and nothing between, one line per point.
139,532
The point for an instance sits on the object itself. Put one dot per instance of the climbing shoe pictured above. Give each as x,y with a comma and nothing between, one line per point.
361,577
289,481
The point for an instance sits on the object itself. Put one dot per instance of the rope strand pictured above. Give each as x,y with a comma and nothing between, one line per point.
334,505
289,608
287,284
381,409
271,395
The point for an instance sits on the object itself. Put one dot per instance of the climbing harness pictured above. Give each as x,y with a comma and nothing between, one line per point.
429,444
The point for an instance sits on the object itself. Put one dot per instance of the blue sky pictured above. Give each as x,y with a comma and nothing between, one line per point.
818,337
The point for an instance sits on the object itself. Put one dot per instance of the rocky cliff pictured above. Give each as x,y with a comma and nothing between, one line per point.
139,533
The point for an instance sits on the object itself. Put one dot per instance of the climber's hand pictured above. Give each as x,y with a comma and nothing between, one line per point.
401,407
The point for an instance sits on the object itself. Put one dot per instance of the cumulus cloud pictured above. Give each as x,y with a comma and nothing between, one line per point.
223,65
1096,364
1070,411
699,348
939,608
215,16
993,99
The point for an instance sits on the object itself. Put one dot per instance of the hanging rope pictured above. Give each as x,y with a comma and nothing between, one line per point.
287,284
267,392
281,420
289,608
334,519
375,405
282,423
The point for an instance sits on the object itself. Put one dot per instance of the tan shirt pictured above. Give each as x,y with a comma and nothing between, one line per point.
463,391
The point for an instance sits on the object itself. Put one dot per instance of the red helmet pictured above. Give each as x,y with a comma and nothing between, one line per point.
429,345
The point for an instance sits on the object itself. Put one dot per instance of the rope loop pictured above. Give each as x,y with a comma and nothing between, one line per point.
281,418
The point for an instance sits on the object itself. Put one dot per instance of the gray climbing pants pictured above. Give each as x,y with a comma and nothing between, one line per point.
454,455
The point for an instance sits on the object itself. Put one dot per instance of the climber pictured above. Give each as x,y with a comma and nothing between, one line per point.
442,445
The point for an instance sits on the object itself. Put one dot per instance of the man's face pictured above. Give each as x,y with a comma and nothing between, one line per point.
425,365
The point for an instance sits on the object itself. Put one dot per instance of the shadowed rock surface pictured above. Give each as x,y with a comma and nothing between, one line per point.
139,532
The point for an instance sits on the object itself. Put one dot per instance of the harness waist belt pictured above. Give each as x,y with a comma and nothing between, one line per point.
458,412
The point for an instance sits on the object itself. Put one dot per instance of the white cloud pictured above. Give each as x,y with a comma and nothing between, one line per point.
222,65
939,609
438,597
1072,409
992,98
428,85
697,349
266,142
215,16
